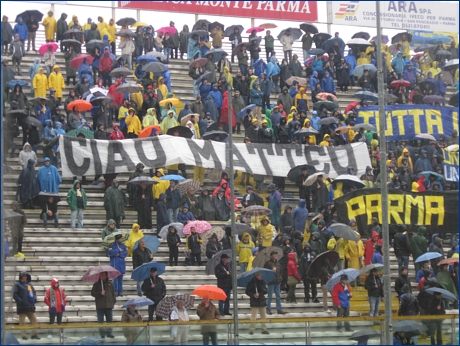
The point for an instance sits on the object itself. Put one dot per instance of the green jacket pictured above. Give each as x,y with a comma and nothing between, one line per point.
269,41
115,201
72,197
242,60
419,243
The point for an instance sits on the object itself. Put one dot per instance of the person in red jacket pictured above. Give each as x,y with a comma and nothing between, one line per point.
370,247
341,295
117,98
56,300
293,277
105,66
116,133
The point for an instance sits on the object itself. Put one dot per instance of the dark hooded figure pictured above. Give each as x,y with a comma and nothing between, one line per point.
163,217
25,297
221,206
206,206
286,219
28,185
173,240
183,41
213,246
143,201
115,202
17,225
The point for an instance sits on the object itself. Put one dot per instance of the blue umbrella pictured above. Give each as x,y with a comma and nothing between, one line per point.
172,177
444,293
151,242
367,95
216,53
428,256
139,302
385,39
203,77
427,174
329,43
10,339
148,58
335,279
143,272
245,110
12,83
267,275
444,39
359,70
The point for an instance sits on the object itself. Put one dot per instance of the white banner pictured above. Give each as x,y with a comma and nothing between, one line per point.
89,157
398,15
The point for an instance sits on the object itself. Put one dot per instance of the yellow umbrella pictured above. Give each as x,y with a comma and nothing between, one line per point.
135,25
173,101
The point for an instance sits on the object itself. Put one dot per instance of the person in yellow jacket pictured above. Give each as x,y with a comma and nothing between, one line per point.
40,83
388,56
338,245
290,116
101,25
217,36
137,97
338,191
354,254
363,59
150,118
135,235
168,122
435,70
302,95
371,49
162,186
134,124
253,79
405,154
265,233
111,31
163,88
307,125
244,251
87,25
405,46
50,27
56,81
228,75
350,133
326,141
255,252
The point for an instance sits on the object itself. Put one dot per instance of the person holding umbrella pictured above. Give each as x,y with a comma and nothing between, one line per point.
217,36
287,41
256,290
341,295
104,293
436,307
117,253
193,245
326,273
207,311
274,286
130,315
154,288
32,26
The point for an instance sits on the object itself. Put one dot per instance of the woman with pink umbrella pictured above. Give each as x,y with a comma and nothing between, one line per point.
48,50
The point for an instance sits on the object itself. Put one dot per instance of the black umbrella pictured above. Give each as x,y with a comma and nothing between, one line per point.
155,67
367,127
344,231
200,33
443,53
240,228
215,260
431,85
413,327
362,34
120,71
424,48
329,105
307,131
329,43
454,100
309,28
315,267
128,88
295,33
203,77
43,196
316,51
125,33
77,33
212,135
96,43
390,98
142,179
364,334
231,29
199,25
323,34
216,54
398,37
328,121
184,132
296,172
239,47
97,101
214,24
71,42
38,16
216,125
16,113
126,21
31,121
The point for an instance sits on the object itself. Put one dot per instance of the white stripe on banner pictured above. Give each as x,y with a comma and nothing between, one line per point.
90,157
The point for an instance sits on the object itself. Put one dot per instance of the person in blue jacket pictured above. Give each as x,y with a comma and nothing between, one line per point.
315,120
273,72
21,29
85,70
139,72
398,64
300,215
48,177
259,67
256,98
42,111
313,80
440,85
167,78
117,252
317,64
377,257
205,89
185,216
351,60
327,84
216,96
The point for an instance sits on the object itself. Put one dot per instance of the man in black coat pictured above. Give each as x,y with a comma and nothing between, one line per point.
140,256
402,248
408,303
256,290
25,297
224,281
402,280
155,289
143,201
374,288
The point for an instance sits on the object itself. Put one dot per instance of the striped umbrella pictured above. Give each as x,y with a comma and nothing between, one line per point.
256,210
110,239
169,302
92,274
186,184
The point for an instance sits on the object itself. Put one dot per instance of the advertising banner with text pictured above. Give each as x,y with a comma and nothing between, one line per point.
302,11
399,15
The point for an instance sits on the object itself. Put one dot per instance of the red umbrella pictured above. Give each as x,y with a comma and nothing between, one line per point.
78,60
92,274
167,29
400,82
256,28
449,261
198,63
82,105
323,96
150,131
213,292
351,106
45,47
416,56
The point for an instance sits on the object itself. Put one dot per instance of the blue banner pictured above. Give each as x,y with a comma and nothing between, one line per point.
420,37
450,165
405,121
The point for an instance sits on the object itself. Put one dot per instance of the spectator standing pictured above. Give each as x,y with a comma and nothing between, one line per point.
51,27
207,311
293,277
307,41
76,199
104,294
173,200
55,298
143,203
17,225
70,71
180,333
408,303
25,297
374,288
401,281
32,26
155,289
130,315
305,260
224,281
7,34
20,29
28,184
61,28
193,245
418,245
48,177
274,204
173,243
274,286
140,256
287,41
326,273
402,249
17,52
127,48
256,290
115,202
341,295
436,307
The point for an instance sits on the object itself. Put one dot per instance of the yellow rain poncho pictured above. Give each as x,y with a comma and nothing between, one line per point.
134,236
56,81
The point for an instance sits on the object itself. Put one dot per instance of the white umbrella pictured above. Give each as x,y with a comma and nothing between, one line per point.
359,41
425,136
312,178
